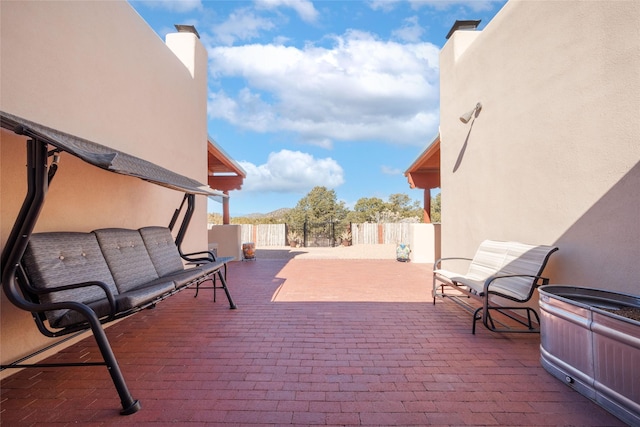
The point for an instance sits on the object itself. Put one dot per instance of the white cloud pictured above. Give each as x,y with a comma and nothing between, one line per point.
388,170
411,31
180,6
303,8
247,110
361,88
292,171
384,5
476,5
242,24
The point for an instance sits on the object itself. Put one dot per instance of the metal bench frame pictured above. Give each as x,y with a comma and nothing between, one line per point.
467,287
44,146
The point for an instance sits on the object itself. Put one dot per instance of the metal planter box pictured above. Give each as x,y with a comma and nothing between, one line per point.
592,350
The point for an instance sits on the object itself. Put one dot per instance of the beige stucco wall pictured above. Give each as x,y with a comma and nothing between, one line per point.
98,71
554,155
424,243
228,240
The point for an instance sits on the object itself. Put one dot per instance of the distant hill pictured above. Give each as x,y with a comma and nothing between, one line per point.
278,213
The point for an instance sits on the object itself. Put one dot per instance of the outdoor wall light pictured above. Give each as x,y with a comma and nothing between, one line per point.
476,110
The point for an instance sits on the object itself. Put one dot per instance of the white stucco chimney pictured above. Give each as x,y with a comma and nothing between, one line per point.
186,45
461,36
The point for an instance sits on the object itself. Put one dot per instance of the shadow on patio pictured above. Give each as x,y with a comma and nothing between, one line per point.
313,342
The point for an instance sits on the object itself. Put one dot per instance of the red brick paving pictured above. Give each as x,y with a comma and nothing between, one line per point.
313,342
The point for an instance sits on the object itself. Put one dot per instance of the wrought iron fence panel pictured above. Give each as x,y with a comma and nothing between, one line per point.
319,234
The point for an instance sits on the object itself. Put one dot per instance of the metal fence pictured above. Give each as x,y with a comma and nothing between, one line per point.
319,234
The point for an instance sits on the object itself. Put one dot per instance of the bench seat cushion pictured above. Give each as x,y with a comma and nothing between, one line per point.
63,258
72,317
144,294
210,267
124,302
476,286
184,277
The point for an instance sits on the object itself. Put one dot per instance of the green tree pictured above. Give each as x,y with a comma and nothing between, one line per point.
404,207
435,208
214,218
319,206
399,207
366,209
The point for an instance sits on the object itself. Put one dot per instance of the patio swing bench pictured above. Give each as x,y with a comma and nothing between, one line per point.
72,282
498,274
113,272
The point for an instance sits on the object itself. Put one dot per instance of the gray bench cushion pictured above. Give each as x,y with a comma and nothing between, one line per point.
127,257
185,277
137,266
162,250
167,261
72,317
166,258
211,267
124,302
64,258
145,294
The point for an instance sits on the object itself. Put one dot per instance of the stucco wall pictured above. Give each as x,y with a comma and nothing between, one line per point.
554,155
98,71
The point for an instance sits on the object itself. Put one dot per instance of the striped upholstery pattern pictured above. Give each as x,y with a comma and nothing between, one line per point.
524,260
496,258
127,257
488,259
58,259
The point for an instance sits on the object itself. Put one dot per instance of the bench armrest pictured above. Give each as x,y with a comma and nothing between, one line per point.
436,265
208,257
109,295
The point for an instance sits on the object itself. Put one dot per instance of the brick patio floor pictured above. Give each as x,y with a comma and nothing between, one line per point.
313,342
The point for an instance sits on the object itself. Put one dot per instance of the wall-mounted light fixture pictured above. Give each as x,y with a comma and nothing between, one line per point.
473,113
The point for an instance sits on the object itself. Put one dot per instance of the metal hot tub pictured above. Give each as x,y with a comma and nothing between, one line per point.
591,349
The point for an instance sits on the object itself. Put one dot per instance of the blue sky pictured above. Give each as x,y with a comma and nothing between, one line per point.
343,94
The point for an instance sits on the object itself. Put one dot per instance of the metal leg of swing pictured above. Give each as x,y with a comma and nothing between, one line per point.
232,305
129,404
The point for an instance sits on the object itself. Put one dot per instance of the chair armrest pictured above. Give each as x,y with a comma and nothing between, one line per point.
437,263
490,280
